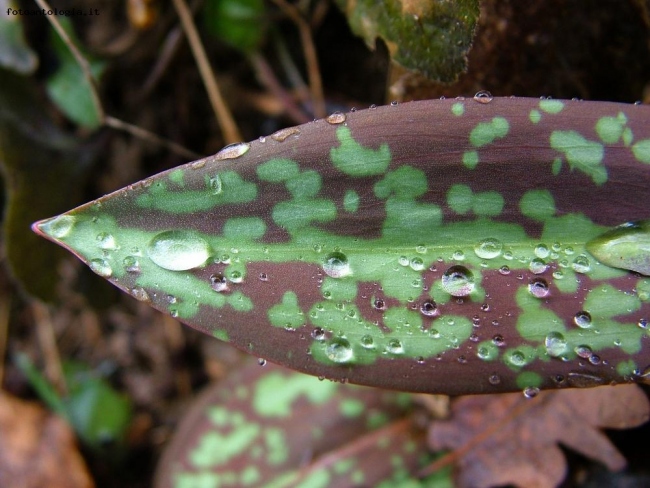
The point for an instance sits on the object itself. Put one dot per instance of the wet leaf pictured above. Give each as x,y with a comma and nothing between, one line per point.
67,87
267,425
15,54
430,36
515,440
35,157
240,23
433,246
37,448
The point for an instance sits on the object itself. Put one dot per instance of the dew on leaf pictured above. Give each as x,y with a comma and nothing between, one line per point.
504,270
336,265
583,351
367,341
218,283
429,308
542,251
106,241
494,379
458,281
531,392
101,267
556,344
517,358
582,319
140,294
233,151
395,346
417,264
483,96
489,248
537,266
131,264
538,288
178,250
57,227
581,264
339,351
336,118
283,134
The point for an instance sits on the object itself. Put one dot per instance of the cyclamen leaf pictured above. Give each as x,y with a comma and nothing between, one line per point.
434,246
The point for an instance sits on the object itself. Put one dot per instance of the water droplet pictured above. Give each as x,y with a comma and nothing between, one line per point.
458,281
483,352
421,249
178,250
394,346
318,334
417,264
556,344
485,307
489,248
508,255
494,379
568,250
582,380
379,304
235,276
367,341
581,264
538,288
394,103
498,340
57,227
429,308
583,351
336,118
131,264
140,294
336,265
434,333
517,358
483,96
542,251
261,361
199,164
218,283
558,275
643,323
106,241
594,359
458,255
339,351
626,246
537,266
101,267
504,270
215,185
531,392
582,319
233,151
283,134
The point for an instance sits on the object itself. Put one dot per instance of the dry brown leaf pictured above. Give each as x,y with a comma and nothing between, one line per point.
38,448
510,440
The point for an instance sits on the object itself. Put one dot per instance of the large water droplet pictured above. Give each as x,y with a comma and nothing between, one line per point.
626,246
283,134
581,264
336,118
489,248
483,96
336,265
58,227
339,351
537,266
101,267
233,151
538,288
178,250
458,281
556,344
542,251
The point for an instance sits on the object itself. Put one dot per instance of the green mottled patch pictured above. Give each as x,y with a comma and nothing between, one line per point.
405,182
344,466
215,449
351,201
355,160
275,393
488,203
287,314
643,289
318,479
339,289
460,198
304,185
486,132
277,170
470,159
250,475
351,407
277,446
628,136
551,106
627,368
529,379
641,150
610,129
240,302
221,334
296,214
177,176
535,116
581,154
487,351
537,204
458,109
244,228
556,167
205,479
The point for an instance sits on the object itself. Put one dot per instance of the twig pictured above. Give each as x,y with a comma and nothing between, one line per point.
47,341
315,81
226,122
149,136
5,302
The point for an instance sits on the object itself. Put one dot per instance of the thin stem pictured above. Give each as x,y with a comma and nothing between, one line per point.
311,59
226,122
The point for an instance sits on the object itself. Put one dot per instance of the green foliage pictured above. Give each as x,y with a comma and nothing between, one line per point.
240,23
15,54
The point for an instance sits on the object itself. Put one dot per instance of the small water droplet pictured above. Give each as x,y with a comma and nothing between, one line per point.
233,151
235,276
393,103
583,351
498,340
218,283
489,248
538,288
458,281
101,267
106,241
537,266
485,307
581,264
379,304
131,264
283,134
261,361
215,185
367,341
568,251
556,344
504,270
140,294
318,334
643,323
458,255
178,250
494,379
395,346
594,359
434,333
531,392
417,264
582,319
517,358
483,96
336,118
336,265
339,351
57,227
429,308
